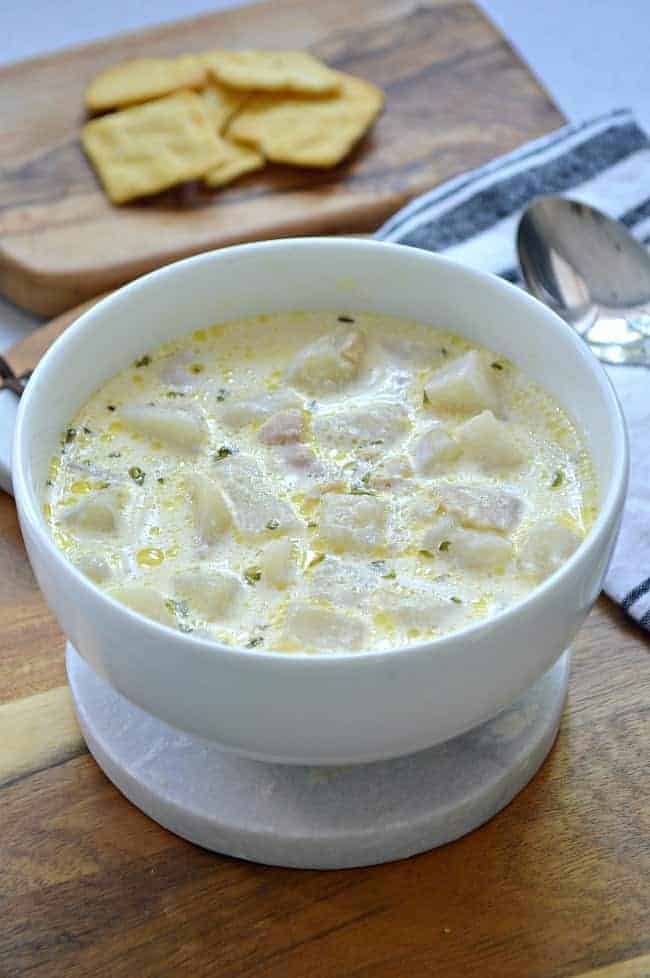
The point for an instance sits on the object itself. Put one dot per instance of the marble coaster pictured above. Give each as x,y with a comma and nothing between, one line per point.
317,817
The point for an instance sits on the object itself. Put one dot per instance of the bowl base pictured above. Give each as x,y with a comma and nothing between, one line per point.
317,817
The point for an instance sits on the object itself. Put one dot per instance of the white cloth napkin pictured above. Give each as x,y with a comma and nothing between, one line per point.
473,218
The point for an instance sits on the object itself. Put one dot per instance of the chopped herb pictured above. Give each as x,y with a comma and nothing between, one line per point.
425,553
377,441
425,397
197,368
272,524
316,559
222,453
390,575
143,361
455,599
365,478
358,489
48,482
345,319
70,435
496,365
222,394
86,430
185,628
558,479
252,575
378,563
254,642
445,545
102,484
110,407
179,608
115,454
312,405
161,480
137,474
444,351
175,394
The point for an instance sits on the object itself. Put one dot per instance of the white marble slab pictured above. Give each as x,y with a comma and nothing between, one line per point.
317,817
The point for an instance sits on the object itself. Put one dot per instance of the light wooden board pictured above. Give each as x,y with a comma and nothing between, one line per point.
555,886
457,96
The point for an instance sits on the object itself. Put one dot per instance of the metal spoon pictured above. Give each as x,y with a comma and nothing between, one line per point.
590,270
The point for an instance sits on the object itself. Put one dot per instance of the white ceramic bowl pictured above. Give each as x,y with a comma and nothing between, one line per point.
339,708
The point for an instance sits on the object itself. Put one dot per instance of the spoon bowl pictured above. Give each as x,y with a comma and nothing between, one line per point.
590,270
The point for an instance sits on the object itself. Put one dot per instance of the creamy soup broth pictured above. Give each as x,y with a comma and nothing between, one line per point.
320,482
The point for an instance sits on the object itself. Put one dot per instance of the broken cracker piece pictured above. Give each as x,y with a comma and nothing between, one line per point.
308,132
141,79
222,103
272,71
235,162
148,148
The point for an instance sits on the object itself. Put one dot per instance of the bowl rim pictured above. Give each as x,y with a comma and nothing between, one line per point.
610,506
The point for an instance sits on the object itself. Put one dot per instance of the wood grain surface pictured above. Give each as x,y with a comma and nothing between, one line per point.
456,97
555,886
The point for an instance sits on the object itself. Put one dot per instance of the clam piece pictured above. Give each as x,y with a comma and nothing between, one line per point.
482,507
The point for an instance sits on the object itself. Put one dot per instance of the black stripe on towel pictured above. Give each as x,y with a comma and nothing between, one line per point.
562,135
506,197
637,592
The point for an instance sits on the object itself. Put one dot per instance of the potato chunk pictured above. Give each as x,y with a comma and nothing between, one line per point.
379,422
438,536
344,582
314,627
278,563
353,523
482,507
146,600
479,550
211,513
464,385
328,363
489,441
178,429
95,567
434,449
100,512
253,410
255,508
419,607
213,593
548,545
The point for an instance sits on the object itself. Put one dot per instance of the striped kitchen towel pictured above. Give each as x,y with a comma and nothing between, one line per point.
473,218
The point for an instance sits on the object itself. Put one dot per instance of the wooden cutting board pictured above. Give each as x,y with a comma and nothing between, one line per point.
556,886
456,96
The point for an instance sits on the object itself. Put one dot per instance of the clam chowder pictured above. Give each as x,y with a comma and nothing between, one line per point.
320,482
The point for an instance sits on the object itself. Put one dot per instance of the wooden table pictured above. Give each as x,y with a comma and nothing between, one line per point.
556,885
